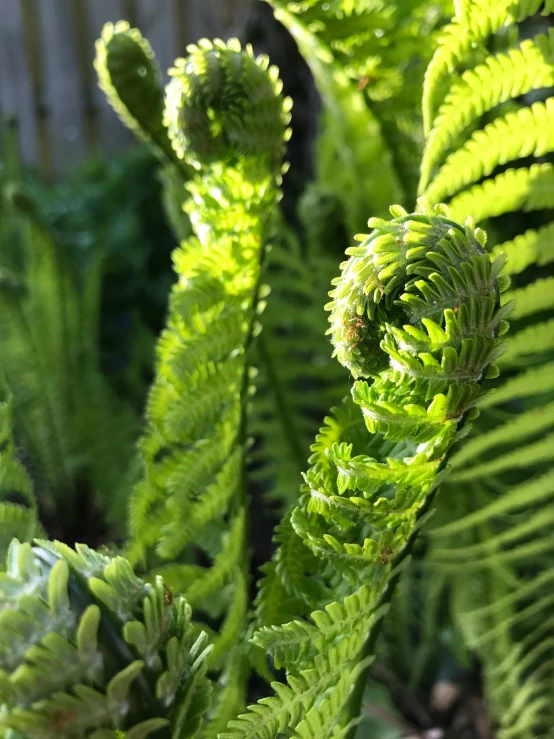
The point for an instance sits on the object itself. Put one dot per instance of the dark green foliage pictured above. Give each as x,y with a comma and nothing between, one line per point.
75,437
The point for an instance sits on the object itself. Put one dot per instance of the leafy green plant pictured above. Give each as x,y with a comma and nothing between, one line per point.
74,435
373,564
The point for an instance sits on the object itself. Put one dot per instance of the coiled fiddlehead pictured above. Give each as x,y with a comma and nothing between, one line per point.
223,105
416,314
89,649
416,309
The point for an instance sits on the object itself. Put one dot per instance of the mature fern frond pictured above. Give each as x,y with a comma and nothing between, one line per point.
368,62
354,142
88,649
498,533
415,309
474,23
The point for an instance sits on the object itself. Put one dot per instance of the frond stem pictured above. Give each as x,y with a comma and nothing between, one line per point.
282,405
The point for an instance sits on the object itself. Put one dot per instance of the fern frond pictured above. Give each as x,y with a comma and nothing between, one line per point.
532,247
357,141
131,80
272,716
367,496
226,118
526,132
470,30
533,298
534,339
67,422
117,655
518,427
525,189
290,394
500,78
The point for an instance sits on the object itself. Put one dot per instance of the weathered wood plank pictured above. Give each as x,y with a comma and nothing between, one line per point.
61,84
16,94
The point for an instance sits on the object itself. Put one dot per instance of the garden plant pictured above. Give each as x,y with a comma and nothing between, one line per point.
412,539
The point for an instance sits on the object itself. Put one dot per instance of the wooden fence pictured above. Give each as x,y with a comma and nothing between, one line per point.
47,80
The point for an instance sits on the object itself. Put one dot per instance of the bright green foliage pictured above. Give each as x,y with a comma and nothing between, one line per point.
87,649
131,80
77,437
192,500
494,543
203,377
297,379
416,317
224,106
417,309
368,60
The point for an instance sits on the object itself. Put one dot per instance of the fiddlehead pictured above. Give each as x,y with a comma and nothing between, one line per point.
415,313
223,105
89,649
416,310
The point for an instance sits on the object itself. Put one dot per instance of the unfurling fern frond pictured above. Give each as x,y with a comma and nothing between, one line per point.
130,78
494,544
226,117
89,649
415,313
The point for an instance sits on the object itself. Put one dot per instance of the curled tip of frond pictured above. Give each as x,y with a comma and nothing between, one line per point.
408,294
224,104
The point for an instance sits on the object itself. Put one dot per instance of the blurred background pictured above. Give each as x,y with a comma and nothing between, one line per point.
47,79
77,158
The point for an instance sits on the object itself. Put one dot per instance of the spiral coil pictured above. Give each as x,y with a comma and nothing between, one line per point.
415,317
223,104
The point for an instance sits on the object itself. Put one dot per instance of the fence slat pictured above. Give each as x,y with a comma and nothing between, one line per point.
46,75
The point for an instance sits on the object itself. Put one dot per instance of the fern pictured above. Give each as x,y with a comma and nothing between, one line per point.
297,380
415,309
225,115
18,506
480,152
368,61
88,647
130,78
68,425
